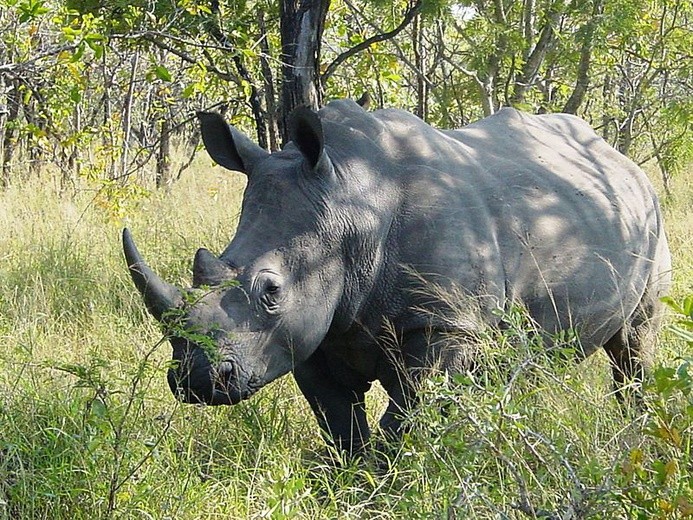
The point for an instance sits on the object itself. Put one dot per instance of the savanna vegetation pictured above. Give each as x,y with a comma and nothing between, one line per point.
97,131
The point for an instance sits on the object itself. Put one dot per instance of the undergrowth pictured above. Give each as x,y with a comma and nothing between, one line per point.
88,428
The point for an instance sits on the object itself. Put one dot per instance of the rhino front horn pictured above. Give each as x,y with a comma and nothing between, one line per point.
158,295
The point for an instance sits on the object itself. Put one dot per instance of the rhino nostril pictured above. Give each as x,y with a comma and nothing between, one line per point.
191,385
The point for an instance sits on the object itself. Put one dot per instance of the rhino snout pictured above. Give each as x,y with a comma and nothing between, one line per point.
195,381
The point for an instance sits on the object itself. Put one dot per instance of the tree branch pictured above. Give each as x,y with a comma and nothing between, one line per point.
11,67
154,39
408,17
535,58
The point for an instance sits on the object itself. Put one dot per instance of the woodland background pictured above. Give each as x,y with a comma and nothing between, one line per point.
106,90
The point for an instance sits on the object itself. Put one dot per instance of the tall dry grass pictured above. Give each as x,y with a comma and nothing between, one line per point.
88,428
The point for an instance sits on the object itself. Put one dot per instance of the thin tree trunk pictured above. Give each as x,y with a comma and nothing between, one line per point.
9,139
227,43
607,98
163,156
71,167
626,95
534,60
583,72
528,24
419,61
127,117
3,127
271,109
255,103
489,77
31,109
108,134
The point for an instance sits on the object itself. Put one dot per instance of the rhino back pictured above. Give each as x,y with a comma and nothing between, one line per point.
535,209
578,224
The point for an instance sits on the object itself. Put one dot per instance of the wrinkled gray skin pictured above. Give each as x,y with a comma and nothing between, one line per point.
343,234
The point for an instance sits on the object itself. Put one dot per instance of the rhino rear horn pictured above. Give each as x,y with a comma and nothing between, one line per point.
364,101
158,295
209,270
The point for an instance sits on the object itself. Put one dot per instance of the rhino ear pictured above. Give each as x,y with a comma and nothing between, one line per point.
227,146
305,130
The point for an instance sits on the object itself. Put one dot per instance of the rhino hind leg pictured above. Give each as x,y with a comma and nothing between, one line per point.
422,352
631,349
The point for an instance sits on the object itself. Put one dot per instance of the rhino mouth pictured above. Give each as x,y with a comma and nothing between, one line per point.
212,386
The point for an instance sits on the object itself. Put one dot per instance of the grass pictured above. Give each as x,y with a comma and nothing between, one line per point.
88,428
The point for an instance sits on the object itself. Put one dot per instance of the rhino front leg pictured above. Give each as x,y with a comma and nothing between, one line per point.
337,397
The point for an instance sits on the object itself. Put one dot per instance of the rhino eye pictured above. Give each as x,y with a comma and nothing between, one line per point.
271,294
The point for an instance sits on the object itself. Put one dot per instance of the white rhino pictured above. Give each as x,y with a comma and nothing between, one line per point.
342,232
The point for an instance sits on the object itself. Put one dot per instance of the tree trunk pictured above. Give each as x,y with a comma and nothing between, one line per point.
534,60
255,103
108,136
302,24
488,78
626,96
607,118
3,128
31,108
163,155
127,116
71,167
420,62
215,30
583,72
9,138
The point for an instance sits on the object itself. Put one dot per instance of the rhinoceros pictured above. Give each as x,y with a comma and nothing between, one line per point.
342,231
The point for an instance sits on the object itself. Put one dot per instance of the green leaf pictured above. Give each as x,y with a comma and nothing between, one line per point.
673,304
688,306
162,73
79,52
188,91
96,46
98,408
75,95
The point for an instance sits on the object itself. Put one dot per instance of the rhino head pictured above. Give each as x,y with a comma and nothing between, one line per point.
265,304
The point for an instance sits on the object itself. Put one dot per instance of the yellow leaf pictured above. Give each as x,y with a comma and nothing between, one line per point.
636,456
665,505
684,506
669,434
670,468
